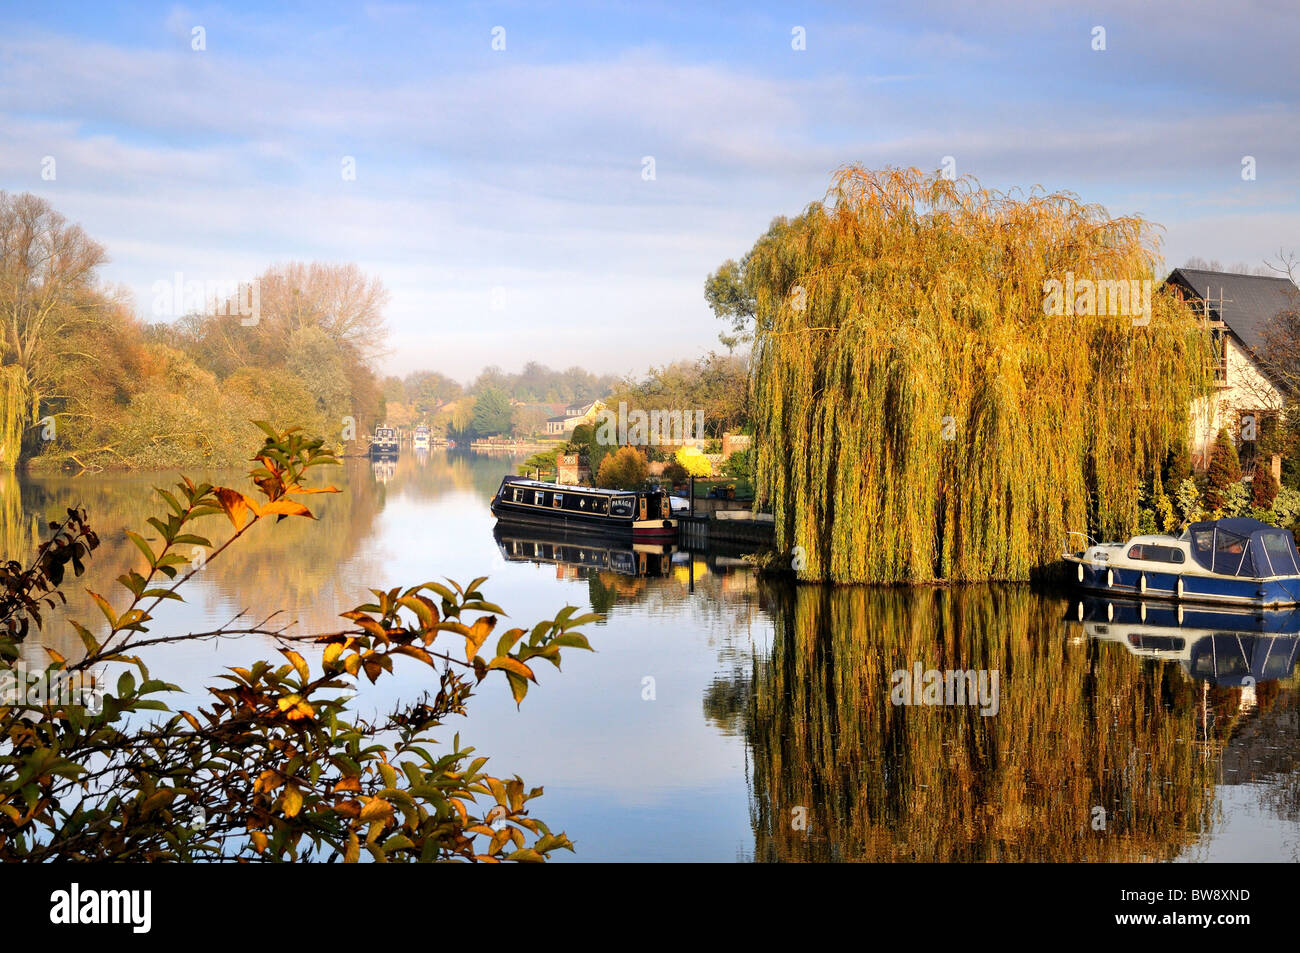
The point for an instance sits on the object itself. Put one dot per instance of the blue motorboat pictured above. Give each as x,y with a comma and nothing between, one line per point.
1237,561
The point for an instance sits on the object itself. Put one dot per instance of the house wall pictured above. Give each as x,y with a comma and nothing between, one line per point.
1246,389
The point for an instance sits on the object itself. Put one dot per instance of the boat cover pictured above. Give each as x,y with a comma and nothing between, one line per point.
1241,546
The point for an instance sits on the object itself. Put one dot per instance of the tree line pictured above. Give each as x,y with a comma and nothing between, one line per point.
85,383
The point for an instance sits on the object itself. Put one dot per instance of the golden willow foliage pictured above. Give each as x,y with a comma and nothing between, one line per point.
1079,725
906,298
15,403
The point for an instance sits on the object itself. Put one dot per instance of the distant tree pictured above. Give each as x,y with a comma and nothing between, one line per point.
1225,470
625,470
492,412
527,421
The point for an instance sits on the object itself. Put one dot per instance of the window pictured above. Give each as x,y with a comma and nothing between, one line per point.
1156,553
558,502
1280,550
519,496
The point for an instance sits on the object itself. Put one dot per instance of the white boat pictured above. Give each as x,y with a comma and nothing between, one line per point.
1237,561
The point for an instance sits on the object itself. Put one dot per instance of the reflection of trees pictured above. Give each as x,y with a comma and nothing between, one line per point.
1079,726
292,564
19,532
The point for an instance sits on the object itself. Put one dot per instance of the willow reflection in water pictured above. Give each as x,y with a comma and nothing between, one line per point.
841,772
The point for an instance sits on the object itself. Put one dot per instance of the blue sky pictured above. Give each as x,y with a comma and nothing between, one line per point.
500,195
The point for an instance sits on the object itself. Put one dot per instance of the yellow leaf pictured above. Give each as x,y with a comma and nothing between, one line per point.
512,665
286,508
377,809
477,635
353,851
259,841
298,663
235,504
291,802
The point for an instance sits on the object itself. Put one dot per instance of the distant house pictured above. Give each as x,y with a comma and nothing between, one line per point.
1237,309
574,415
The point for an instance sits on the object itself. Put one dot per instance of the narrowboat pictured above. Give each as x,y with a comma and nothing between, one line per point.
420,439
643,515
1237,561
384,443
1222,645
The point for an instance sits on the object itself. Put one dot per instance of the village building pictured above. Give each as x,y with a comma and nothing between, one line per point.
1237,310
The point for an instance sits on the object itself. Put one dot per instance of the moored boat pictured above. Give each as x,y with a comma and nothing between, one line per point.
420,438
1236,561
640,514
384,443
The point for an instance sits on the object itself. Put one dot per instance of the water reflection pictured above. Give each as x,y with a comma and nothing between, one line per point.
841,772
773,735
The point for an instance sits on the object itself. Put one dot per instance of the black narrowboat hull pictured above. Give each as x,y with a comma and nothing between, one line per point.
557,511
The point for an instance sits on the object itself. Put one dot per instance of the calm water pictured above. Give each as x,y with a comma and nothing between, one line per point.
722,718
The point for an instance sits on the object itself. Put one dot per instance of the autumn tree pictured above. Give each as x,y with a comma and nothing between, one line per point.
624,470
48,295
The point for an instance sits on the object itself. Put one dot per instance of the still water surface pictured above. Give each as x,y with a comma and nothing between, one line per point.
724,718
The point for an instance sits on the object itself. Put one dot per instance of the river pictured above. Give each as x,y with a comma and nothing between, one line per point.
726,718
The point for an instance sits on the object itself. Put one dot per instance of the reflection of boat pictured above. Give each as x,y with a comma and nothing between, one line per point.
644,515
1223,647
584,551
384,468
1236,561
420,439
384,443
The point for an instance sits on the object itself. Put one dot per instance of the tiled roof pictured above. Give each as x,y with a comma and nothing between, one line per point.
1250,302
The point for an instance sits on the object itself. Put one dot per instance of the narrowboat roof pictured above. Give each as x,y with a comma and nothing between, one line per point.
565,488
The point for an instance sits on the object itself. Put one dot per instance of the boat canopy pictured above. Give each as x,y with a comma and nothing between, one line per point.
1241,546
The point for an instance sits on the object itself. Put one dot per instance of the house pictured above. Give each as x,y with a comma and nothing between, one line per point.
574,415
1238,309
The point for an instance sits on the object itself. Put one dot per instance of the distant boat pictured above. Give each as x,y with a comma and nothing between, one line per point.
420,439
384,443
1237,561
643,515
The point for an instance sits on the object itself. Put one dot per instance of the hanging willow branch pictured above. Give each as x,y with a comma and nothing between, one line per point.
905,299
14,405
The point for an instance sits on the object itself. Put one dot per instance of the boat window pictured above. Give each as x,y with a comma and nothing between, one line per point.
519,496
1153,552
558,501
1281,552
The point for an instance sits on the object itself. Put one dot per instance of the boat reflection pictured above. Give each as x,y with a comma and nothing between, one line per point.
1225,648
584,551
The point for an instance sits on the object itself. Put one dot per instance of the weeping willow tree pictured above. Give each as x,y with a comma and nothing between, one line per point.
919,415
14,409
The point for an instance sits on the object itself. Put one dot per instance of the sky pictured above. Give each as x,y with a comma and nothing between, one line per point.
555,182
